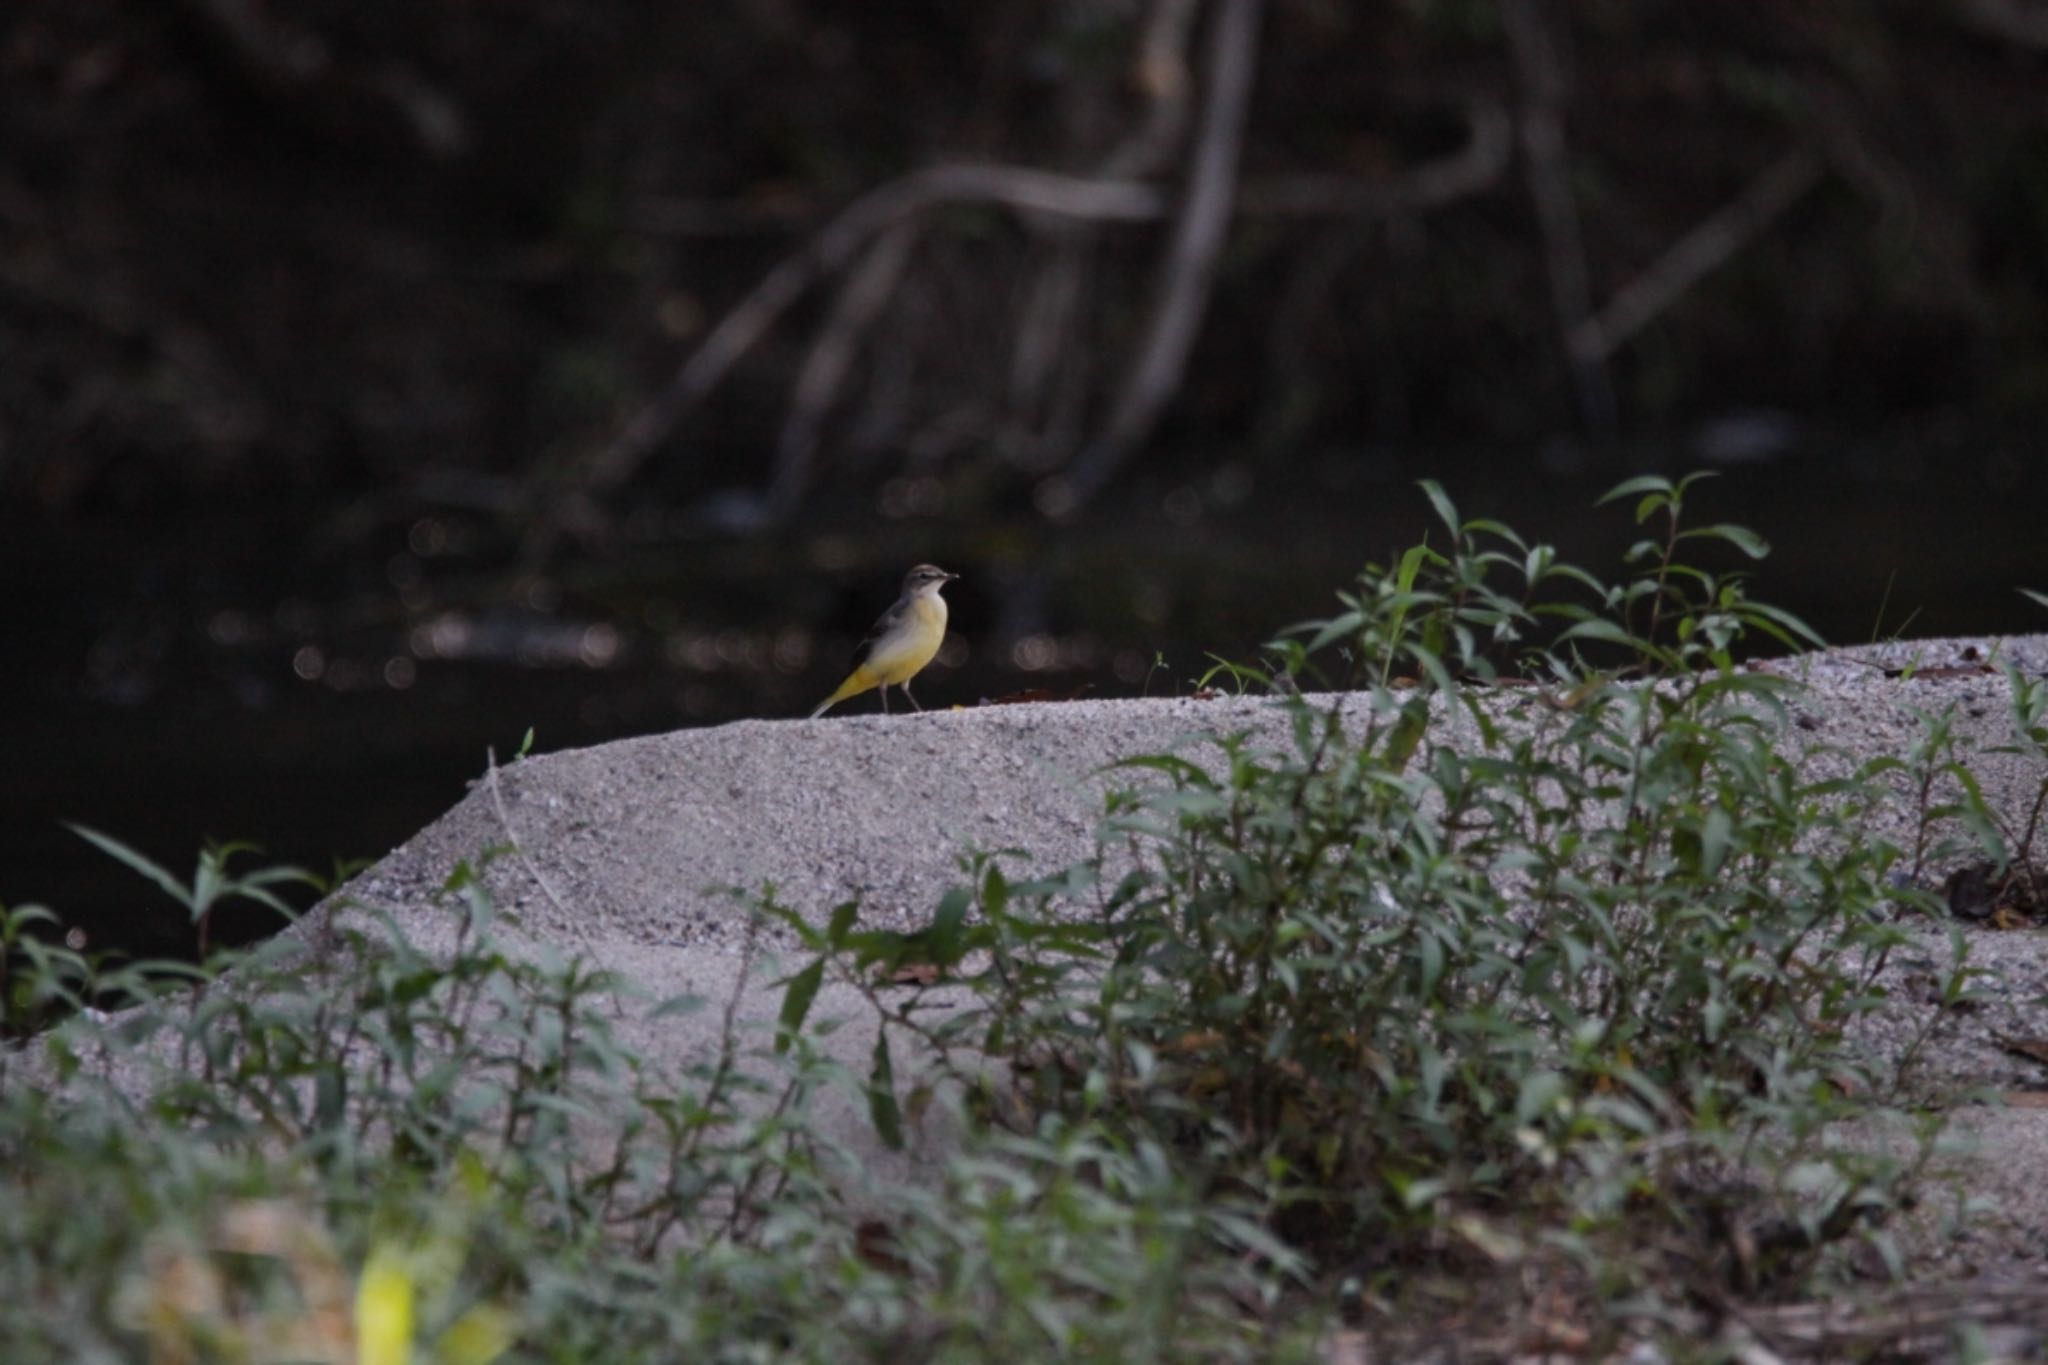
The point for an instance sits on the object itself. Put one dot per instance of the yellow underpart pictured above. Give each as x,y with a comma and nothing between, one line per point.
898,656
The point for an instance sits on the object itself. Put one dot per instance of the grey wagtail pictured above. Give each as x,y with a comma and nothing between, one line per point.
902,642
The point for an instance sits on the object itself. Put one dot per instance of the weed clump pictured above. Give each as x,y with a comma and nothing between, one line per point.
1541,944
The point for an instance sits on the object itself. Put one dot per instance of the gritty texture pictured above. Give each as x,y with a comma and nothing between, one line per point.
631,852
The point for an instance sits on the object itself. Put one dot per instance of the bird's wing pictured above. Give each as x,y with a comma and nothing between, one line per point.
884,624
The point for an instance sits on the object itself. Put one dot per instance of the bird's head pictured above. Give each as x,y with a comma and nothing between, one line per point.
926,579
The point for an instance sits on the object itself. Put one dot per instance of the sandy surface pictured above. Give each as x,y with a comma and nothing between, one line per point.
627,852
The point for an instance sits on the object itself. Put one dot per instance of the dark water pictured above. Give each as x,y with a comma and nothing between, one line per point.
325,679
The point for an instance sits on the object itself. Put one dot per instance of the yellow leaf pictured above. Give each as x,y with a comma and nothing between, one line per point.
384,1312
478,1337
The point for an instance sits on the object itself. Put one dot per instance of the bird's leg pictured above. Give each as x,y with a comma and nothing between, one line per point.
884,690
904,688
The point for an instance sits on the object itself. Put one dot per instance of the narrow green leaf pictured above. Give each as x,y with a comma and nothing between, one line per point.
1432,953
1405,735
1539,1091
330,1098
1438,499
1628,488
768,906
1600,628
1337,628
1782,625
1179,769
207,880
1416,1194
843,916
270,876
244,891
1410,567
882,1106
1741,537
1716,831
689,1002
942,937
796,1003
136,862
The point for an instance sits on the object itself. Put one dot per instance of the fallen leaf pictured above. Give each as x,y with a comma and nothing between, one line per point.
1031,695
2033,1049
2010,917
1199,1041
874,1241
1940,672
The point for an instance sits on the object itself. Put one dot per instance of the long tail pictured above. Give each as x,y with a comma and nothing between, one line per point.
856,683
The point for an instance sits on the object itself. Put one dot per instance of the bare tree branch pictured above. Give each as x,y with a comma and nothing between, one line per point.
866,292
1910,1321
836,244
1701,251
1039,195
1041,422
1047,363
271,54
2015,21
1050,330
1473,169
577,922
284,60
1161,72
1190,268
1545,86
1315,268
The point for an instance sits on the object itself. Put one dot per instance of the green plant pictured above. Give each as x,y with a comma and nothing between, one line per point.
38,977
348,1148
214,881
1548,937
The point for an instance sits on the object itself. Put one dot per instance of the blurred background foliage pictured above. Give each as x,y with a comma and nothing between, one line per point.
432,246
382,377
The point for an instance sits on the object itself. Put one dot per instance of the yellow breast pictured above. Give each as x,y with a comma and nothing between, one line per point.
897,656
